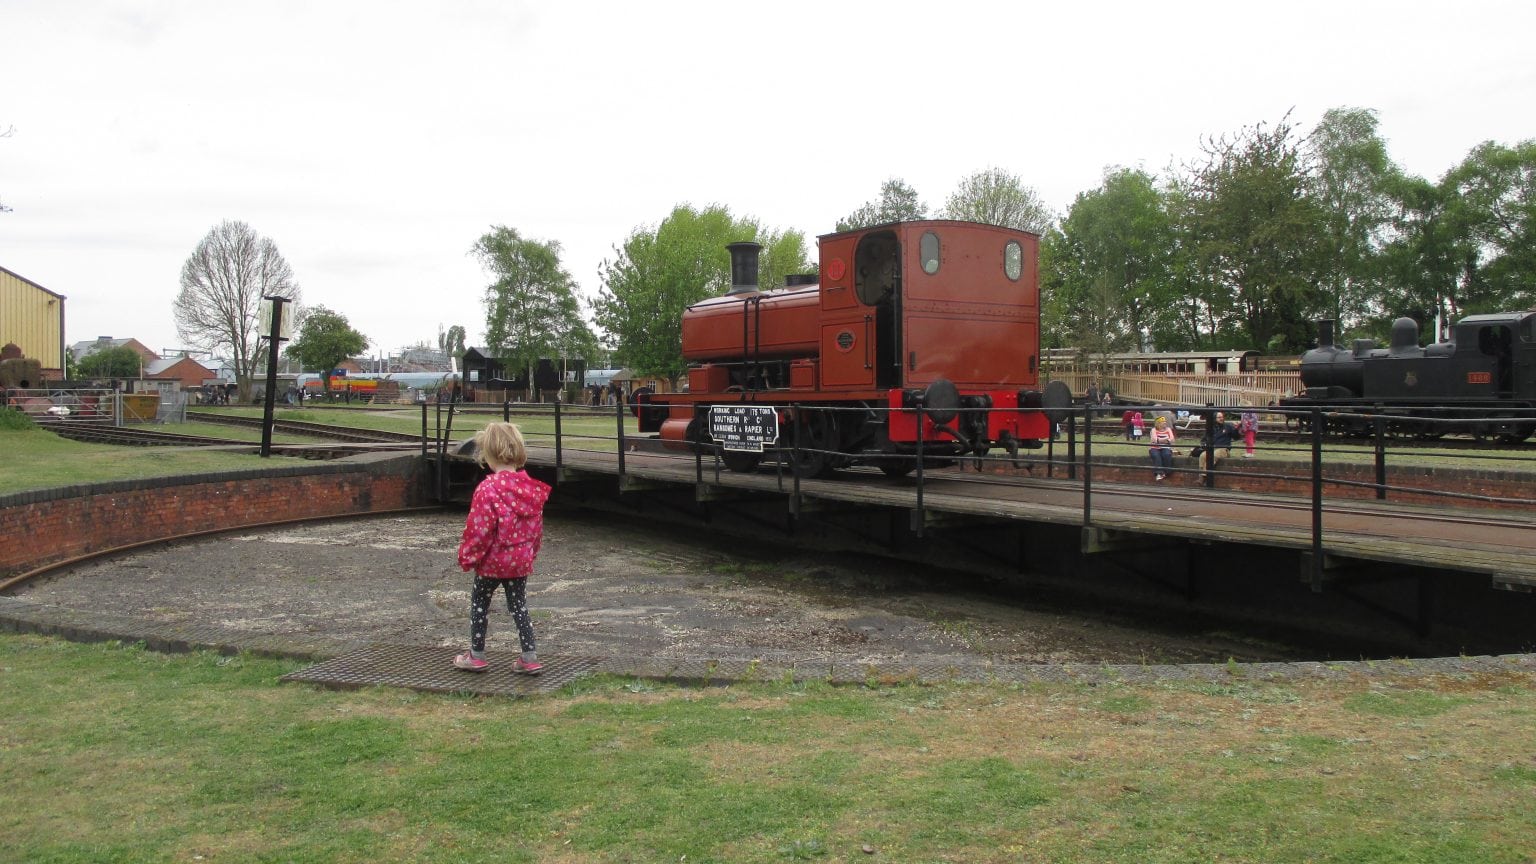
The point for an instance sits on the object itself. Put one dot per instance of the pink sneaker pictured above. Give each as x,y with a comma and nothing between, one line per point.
528,667
470,663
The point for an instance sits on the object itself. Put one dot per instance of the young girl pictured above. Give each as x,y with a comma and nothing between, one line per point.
1250,429
501,538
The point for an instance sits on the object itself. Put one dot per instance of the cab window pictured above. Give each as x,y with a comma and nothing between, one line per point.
1013,260
928,251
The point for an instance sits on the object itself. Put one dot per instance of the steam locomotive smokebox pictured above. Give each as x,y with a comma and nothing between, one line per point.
1331,370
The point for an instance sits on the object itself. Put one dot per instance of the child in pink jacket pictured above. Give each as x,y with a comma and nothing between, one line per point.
501,538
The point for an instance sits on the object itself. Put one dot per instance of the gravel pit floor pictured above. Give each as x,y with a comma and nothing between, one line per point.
612,587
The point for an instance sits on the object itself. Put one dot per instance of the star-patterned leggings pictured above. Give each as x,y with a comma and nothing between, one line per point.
480,606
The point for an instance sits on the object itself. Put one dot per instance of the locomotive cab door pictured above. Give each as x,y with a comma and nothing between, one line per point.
877,284
1497,343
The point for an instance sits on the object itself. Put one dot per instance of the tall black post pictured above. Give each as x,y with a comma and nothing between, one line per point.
1088,465
272,339
1317,499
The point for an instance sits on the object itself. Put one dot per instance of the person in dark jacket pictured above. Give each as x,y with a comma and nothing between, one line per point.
1220,439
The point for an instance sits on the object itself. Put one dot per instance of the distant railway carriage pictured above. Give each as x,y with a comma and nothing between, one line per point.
1485,374
1171,363
940,313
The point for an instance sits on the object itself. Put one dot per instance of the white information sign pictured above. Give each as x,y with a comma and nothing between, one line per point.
747,428
264,320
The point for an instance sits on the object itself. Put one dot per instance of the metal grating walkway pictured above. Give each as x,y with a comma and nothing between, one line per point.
431,668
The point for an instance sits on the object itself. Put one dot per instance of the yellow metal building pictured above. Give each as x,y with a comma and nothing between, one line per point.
32,317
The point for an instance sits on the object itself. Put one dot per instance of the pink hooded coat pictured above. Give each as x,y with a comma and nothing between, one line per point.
505,526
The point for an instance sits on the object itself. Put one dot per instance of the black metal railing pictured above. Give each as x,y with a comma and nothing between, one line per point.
1296,450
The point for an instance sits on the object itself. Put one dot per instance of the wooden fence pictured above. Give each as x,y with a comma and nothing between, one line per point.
1246,389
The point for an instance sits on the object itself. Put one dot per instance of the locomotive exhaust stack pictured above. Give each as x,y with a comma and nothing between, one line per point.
743,268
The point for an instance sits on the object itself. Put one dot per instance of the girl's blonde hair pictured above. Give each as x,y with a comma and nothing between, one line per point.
501,445
1159,420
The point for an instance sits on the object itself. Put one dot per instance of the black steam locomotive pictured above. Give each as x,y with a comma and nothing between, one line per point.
1483,379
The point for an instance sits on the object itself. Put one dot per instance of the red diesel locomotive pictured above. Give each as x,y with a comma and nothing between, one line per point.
935,314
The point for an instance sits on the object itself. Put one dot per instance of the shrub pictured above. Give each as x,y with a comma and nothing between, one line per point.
12,419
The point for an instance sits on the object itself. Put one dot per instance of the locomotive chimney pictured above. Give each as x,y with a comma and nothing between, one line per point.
1325,333
743,267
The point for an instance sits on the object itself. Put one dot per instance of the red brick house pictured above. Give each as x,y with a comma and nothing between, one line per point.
188,372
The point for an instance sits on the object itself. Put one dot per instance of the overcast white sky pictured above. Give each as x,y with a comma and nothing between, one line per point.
374,142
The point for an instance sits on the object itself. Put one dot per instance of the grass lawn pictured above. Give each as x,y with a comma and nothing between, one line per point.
37,459
579,427
115,754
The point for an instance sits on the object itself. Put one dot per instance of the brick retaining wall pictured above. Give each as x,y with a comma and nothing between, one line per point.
52,525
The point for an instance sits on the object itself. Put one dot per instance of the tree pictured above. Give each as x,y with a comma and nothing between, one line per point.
1350,177
118,361
1254,239
222,285
1491,206
996,197
325,339
1108,267
451,342
898,203
531,308
1421,260
659,273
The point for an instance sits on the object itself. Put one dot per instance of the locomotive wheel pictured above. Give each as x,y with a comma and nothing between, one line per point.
897,468
818,437
1510,430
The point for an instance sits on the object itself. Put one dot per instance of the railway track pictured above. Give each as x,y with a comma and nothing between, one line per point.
317,430
101,434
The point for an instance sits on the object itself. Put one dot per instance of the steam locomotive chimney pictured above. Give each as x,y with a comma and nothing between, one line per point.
1325,333
743,267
